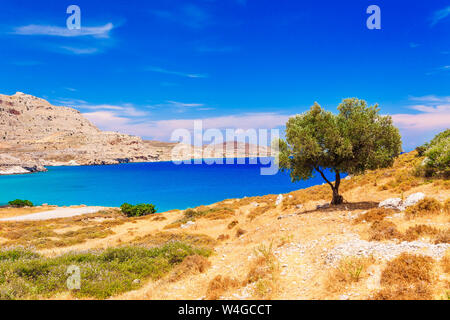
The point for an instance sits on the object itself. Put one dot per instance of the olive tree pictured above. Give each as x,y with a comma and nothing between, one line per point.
356,139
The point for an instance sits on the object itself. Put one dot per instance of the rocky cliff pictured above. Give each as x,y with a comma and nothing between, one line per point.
35,134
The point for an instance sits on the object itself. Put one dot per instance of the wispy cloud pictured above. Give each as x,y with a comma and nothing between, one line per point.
176,73
56,31
182,105
431,99
440,15
433,114
438,70
80,51
163,129
429,115
125,110
189,15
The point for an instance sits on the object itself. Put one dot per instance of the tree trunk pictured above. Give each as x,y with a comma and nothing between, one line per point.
337,198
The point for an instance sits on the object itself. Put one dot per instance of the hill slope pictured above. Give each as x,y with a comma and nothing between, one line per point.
296,248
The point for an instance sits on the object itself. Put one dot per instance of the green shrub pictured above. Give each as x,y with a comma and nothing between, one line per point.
27,275
437,156
21,203
139,210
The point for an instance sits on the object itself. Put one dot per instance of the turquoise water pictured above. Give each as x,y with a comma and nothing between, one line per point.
164,184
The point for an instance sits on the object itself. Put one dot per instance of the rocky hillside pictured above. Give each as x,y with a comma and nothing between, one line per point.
34,134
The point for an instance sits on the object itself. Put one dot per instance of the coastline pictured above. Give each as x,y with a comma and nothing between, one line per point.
10,170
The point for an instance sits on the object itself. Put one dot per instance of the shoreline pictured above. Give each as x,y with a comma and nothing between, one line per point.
25,170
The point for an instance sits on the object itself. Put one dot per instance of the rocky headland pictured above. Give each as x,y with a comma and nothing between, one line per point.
35,134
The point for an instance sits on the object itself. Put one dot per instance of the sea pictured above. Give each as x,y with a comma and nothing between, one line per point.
165,184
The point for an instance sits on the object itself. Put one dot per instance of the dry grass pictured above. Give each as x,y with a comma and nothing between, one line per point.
403,181
447,206
216,213
443,184
15,212
417,292
232,224
192,265
414,233
240,232
373,215
264,272
445,262
349,271
223,237
160,238
383,230
407,277
442,237
316,193
43,235
425,207
159,218
258,211
219,285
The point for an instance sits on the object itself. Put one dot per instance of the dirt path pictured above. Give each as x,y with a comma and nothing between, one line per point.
55,214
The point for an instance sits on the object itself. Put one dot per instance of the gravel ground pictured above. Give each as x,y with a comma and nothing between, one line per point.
384,251
55,214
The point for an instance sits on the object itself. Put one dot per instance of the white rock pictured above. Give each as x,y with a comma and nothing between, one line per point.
279,200
187,224
413,199
391,203
13,170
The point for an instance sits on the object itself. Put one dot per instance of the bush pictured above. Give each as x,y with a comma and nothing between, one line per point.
25,274
426,206
437,154
139,210
21,203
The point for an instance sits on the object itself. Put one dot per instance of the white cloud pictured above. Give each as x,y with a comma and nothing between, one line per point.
440,15
56,31
176,73
126,110
162,129
80,50
434,114
430,99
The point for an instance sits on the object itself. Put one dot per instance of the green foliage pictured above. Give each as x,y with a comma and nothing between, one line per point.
137,210
437,156
21,203
353,141
27,275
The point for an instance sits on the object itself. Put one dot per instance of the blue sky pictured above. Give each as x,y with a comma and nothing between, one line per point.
149,67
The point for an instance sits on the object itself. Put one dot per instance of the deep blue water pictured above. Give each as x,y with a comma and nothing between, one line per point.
164,184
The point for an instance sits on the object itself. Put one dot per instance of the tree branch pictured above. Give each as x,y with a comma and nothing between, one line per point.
338,180
325,178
